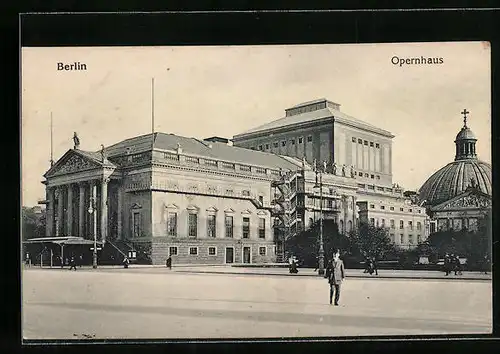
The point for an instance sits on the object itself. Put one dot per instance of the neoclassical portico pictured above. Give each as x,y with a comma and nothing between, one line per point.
76,182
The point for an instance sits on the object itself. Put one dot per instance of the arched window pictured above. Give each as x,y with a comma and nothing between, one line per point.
349,226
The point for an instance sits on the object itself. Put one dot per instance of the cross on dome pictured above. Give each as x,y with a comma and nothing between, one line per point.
465,112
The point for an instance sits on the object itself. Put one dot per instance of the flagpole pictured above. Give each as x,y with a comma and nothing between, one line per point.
153,107
51,143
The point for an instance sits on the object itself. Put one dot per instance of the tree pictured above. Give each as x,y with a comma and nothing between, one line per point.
33,225
371,241
305,245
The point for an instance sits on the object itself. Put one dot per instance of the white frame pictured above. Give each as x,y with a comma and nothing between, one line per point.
225,255
176,212
265,251
243,254
197,251
208,251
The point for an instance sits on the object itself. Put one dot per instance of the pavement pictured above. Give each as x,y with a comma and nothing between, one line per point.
155,303
259,271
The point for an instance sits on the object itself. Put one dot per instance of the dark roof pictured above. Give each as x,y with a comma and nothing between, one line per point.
214,150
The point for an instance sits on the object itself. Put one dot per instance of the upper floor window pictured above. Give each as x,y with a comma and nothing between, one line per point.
192,225
382,207
401,209
366,142
372,221
353,139
360,141
137,224
419,225
309,138
229,226
283,143
392,224
172,224
371,143
260,147
410,225
262,228
401,224
392,208
275,144
300,140
377,145
267,146
211,222
292,141
246,227
372,206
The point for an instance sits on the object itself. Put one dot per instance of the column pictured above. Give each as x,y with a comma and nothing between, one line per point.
69,211
59,211
104,209
49,226
93,199
345,203
119,213
81,209
354,224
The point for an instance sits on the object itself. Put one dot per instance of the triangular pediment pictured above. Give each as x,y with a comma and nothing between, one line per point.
171,206
261,213
470,199
246,212
212,209
136,206
73,161
229,211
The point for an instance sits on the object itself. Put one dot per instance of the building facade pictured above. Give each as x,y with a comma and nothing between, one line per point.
458,195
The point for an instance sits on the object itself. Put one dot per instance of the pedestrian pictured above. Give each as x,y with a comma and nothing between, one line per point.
374,265
80,261
125,262
72,263
169,262
458,266
337,275
28,260
446,264
453,261
485,264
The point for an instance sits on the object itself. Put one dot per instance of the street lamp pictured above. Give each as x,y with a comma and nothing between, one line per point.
321,252
92,211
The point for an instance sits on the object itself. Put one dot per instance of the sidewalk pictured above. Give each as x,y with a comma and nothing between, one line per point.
350,273
303,272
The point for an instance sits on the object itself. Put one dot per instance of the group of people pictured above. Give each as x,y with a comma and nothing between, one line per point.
371,266
452,264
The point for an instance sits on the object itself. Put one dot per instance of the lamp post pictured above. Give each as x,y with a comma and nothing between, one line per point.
321,252
92,211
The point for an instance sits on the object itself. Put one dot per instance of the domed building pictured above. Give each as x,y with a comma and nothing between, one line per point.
459,194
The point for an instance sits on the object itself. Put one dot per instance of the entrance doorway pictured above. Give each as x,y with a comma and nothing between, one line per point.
246,254
229,255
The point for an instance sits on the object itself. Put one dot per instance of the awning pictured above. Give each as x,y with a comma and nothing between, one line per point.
62,240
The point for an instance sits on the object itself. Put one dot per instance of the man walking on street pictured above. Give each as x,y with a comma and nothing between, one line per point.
336,276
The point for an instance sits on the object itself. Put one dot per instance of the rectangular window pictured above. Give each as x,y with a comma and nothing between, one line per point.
372,176
392,224
382,207
401,238
211,222
172,224
383,222
360,173
292,141
245,193
410,239
410,210
192,225
300,140
419,211
267,146
377,146
360,141
260,147
366,142
419,225
401,209
136,224
229,226
193,251
353,140
329,203
410,225
283,143
172,251
392,208
378,177
262,228
371,143
372,206
246,227
262,251
261,200
372,221
275,144
212,251
309,138
401,224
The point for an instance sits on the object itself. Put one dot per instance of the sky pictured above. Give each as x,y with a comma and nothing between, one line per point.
225,90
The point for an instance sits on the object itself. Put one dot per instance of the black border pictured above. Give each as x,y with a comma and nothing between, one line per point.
296,27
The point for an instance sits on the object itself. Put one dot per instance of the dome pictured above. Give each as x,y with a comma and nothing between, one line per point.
454,178
465,134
